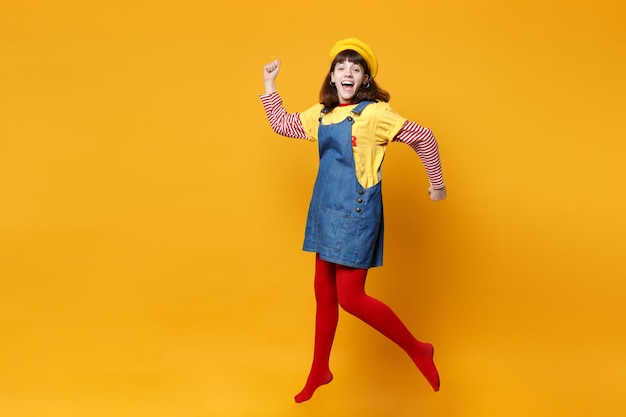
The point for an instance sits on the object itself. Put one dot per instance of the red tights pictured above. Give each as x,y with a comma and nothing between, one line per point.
337,285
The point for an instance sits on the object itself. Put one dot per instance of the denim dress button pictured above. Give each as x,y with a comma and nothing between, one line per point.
358,209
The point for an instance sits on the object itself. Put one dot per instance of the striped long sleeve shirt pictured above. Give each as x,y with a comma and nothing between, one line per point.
419,138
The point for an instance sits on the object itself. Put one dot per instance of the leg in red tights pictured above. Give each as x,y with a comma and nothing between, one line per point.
339,285
352,298
326,316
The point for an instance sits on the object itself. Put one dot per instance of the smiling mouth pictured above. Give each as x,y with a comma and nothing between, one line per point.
347,85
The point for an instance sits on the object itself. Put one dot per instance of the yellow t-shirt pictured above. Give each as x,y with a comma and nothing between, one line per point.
372,130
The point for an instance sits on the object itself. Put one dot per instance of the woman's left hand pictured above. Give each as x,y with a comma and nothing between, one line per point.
437,195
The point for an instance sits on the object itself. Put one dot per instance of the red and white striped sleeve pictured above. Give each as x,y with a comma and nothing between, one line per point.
283,123
423,142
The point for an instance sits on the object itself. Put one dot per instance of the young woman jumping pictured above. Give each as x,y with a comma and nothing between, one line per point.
353,124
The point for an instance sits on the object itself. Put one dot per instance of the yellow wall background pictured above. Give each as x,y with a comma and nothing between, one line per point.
151,222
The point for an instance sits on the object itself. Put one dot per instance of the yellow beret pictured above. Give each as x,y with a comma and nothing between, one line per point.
361,47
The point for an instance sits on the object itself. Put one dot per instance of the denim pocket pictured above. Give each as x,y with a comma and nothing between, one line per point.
332,228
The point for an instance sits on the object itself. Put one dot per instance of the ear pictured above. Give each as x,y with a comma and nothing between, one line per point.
367,78
332,77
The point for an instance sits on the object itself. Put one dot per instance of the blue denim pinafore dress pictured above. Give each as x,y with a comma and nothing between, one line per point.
345,220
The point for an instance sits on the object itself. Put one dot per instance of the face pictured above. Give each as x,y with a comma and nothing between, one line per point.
348,78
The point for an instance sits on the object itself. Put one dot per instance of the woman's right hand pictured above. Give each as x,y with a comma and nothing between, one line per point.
270,72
